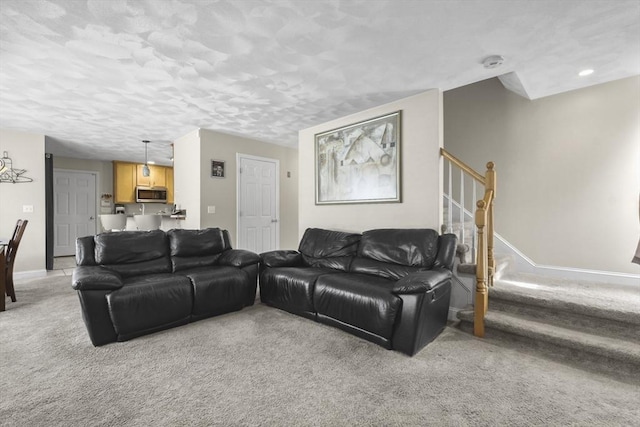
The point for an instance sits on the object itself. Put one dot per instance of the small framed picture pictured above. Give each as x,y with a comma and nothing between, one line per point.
217,168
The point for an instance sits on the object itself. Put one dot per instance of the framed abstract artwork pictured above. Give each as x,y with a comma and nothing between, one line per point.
359,163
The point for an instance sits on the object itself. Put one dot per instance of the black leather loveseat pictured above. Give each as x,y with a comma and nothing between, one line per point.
133,283
389,286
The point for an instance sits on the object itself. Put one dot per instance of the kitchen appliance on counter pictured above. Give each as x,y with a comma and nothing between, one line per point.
151,194
120,209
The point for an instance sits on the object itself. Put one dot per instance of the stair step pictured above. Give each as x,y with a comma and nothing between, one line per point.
562,300
602,326
605,347
595,325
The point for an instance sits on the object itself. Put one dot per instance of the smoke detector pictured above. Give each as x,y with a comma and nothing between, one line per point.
493,61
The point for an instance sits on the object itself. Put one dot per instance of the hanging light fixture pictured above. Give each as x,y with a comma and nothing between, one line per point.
145,168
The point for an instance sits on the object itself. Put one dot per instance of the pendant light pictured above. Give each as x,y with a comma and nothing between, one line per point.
145,168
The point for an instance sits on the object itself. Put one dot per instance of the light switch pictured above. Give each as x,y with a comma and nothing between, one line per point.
27,208
211,209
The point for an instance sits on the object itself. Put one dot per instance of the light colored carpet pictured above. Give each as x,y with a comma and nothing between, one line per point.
262,366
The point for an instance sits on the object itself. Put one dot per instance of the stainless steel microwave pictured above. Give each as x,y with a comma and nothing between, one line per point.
151,194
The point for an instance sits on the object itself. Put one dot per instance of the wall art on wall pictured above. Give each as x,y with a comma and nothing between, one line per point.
217,168
10,174
359,163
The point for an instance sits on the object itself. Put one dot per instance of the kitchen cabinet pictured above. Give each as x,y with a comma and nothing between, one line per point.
157,176
124,182
169,180
126,176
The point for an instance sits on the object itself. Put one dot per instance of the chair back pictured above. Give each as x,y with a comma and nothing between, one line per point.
12,248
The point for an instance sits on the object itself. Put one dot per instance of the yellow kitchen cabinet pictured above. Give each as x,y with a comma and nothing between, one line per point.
126,176
124,182
157,176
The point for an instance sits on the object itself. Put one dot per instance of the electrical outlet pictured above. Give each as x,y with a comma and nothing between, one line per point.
211,209
27,208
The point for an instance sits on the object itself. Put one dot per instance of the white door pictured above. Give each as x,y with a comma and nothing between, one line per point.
258,201
74,204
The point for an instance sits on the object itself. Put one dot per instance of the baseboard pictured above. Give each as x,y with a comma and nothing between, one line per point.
526,265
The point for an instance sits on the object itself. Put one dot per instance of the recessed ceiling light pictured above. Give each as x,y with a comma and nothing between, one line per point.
585,72
151,162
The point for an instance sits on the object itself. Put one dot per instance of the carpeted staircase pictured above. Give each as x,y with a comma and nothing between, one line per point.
594,325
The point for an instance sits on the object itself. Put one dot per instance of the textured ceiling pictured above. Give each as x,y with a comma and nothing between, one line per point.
98,76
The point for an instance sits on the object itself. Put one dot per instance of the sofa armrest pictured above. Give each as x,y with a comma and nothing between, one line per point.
91,278
238,258
282,258
421,281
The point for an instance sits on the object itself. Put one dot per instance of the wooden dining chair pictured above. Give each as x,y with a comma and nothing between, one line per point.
10,257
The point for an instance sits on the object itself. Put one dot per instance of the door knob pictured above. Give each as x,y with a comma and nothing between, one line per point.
90,218
274,220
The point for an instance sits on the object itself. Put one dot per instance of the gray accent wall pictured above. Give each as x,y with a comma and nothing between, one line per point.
195,189
568,168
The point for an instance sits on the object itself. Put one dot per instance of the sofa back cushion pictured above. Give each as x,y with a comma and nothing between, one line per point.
133,253
196,248
394,253
328,249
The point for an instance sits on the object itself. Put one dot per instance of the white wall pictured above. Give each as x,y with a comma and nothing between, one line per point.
27,152
195,189
421,139
568,168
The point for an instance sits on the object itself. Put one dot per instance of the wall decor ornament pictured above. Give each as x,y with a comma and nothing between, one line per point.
217,168
359,163
10,175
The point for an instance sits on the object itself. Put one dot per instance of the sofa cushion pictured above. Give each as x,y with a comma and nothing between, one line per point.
187,243
410,247
328,249
395,253
291,288
195,248
133,253
218,290
150,303
361,301
130,247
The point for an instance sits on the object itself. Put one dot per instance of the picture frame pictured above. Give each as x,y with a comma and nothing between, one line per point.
359,163
217,169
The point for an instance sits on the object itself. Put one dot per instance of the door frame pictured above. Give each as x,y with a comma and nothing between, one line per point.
239,157
96,174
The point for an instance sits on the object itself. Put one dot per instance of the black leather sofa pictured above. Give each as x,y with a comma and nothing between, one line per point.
389,286
133,283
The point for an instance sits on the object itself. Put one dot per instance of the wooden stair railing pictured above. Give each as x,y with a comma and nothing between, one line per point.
483,217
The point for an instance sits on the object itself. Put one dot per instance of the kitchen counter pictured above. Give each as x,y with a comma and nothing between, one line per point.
168,222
